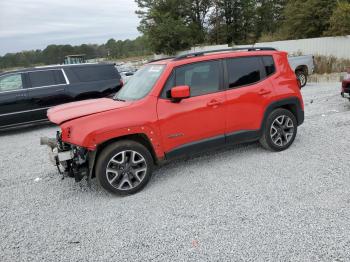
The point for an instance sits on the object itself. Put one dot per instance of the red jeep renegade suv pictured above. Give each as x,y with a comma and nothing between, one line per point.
174,107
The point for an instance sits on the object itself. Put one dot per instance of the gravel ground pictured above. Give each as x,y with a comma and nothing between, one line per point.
240,204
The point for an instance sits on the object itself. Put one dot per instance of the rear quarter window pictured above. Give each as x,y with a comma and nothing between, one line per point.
95,73
269,65
46,78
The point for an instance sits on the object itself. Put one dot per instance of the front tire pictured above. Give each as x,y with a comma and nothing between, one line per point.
302,78
279,130
124,167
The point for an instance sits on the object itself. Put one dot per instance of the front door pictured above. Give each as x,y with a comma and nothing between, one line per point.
198,122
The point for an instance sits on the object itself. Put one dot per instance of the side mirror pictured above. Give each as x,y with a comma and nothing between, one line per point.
178,93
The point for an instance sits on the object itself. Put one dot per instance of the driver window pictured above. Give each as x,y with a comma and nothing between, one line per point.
203,78
11,82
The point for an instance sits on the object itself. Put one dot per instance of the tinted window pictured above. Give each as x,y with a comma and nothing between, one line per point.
46,78
95,73
11,82
59,78
269,65
244,71
202,78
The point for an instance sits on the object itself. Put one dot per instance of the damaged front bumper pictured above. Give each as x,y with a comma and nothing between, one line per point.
70,160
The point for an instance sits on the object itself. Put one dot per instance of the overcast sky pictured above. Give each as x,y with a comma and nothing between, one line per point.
34,24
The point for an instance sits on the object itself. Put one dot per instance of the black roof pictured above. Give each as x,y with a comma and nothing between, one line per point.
52,67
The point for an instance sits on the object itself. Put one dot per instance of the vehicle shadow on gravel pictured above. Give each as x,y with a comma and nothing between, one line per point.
163,173
166,170
25,129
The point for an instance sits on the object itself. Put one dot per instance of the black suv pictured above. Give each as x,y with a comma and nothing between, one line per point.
25,95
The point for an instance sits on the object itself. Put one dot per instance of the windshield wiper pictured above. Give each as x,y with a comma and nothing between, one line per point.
118,99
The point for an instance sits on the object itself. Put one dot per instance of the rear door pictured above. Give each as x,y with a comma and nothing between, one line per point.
13,105
47,88
249,92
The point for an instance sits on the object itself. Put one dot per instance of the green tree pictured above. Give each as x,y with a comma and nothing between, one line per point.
196,13
233,21
171,25
340,20
307,18
269,15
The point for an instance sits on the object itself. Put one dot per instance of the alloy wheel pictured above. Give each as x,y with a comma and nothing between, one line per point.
282,130
126,170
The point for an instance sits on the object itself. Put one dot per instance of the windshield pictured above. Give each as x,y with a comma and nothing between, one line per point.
141,83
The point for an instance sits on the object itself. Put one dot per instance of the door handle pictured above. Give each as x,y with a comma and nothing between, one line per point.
264,92
59,90
214,102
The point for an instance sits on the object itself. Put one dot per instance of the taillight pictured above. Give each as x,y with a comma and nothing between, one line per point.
121,83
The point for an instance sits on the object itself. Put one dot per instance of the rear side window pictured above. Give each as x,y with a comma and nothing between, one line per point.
95,73
244,71
269,65
46,78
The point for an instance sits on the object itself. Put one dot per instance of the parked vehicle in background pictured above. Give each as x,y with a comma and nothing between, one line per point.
126,76
303,66
126,72
175,107
75,59
345,91
26,95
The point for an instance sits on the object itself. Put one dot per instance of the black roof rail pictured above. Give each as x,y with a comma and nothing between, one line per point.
161,59
195,54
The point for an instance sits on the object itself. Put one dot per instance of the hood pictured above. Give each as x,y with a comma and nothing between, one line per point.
63,113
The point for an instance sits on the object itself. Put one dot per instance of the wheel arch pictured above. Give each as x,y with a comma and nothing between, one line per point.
138,137
302,68
291,104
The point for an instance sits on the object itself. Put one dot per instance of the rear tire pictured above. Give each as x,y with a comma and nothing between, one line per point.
279,130
124,167
302,78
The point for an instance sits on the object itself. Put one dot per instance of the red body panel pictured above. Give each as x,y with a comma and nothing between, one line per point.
193,119
169,125
62,113
284,81
92,130
245,106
